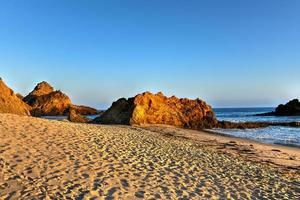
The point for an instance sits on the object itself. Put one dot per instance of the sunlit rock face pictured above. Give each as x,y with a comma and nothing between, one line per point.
40,89
45,101
10,102
148,108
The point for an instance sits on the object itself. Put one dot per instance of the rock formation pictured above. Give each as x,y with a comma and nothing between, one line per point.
45,101
148,108
251,125
19,96
75,117
54,103
292,108
10,102
40,89
85,110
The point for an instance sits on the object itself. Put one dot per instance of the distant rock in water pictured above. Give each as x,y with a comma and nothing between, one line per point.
292,108
148,108
10,102
75,117
45,101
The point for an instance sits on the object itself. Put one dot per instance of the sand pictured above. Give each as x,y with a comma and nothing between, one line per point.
43,159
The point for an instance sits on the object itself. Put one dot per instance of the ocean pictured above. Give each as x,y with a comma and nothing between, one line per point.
273,134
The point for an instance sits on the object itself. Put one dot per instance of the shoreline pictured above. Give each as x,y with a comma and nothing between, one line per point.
281,155
211,131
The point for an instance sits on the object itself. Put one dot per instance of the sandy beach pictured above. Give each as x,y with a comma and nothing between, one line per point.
43,159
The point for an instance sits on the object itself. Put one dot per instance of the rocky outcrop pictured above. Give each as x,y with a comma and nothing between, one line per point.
73,116
54,103
10,102
251,125
292,108
20,96
148,108
119,113
241,125
42,88
46,101
85,110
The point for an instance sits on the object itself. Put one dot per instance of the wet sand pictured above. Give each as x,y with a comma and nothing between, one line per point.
45,159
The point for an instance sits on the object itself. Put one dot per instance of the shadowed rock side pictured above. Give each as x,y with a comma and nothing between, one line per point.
19,96
292,108
75,117
10,102
119,113
46,101
148,108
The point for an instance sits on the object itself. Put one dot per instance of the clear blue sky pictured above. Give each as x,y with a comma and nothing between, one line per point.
229,53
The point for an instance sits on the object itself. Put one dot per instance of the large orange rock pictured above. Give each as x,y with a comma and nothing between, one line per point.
40,89
10,102
54,103
46,101
148,108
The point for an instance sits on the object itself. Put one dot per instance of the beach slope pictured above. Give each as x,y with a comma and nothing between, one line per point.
56,160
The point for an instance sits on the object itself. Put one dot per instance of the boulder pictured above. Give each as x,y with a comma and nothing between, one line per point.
242,125
45,101
40,89
85,110
75,117
148,108
119,113
10,102
52,104
253,125
292,108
